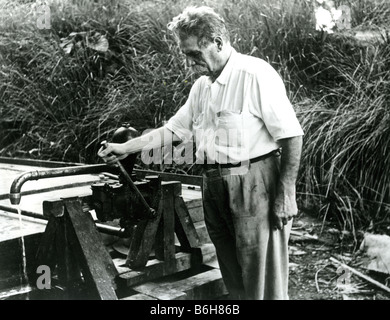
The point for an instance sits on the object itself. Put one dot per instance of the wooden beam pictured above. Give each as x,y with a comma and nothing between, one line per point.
166,176
165,238
39,163
184,227
201,286
47,252
155,269
97,265
142,240
138,296
361,275
159,292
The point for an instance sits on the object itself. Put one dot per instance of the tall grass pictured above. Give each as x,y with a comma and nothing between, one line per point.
64,103
60,96
346,157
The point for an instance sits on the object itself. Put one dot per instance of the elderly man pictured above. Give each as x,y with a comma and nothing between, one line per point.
249,141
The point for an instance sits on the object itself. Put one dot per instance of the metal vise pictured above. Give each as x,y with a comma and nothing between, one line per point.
115,200
129,199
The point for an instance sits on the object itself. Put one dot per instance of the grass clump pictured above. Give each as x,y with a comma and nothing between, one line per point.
346,156
72,85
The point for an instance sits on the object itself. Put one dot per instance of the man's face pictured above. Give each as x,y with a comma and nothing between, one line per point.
202,60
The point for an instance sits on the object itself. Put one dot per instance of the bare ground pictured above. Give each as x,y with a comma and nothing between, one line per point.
313,276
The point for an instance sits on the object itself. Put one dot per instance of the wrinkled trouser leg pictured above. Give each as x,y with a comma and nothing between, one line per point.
253,257
221,231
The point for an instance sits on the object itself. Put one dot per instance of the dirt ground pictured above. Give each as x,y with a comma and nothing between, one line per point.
314,276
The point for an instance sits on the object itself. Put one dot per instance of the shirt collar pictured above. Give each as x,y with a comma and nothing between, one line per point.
224,76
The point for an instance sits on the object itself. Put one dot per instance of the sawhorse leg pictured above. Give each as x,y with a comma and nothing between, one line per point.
78,247
172,217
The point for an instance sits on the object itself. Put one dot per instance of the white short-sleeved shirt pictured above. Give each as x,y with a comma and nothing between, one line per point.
240,116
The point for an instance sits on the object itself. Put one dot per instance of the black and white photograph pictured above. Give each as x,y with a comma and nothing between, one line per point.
217,152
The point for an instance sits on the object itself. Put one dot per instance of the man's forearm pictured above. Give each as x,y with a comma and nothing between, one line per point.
285,206
153,139
291,157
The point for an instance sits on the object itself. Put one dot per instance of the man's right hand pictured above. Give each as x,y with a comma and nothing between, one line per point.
112,152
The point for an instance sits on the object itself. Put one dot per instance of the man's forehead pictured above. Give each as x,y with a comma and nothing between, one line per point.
189,43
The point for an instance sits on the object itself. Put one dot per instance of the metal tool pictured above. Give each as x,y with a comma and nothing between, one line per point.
151,211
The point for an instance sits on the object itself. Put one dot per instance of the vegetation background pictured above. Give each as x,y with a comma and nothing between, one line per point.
105,62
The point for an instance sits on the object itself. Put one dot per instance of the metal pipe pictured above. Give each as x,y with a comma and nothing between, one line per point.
54,188
104,228
23,212
111,230
15,190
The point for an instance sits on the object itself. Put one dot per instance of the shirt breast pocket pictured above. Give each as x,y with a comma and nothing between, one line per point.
230,128
197,121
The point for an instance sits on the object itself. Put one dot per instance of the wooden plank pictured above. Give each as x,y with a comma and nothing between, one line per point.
192,203
184,226
156,269
15,292
160,292
201,286
96,263
47,250
171,191
192,187
165,238
208,253
190,194
68,267
39,163
205,285
138,296
53,208
142,242
202,232
166,176
196,213
56,246
62,250
361,275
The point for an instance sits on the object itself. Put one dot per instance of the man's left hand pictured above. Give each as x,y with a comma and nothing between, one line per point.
285,207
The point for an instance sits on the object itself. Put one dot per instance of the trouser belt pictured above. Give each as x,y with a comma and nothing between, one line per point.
209,166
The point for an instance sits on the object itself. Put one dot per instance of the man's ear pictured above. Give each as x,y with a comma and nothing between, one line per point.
219,42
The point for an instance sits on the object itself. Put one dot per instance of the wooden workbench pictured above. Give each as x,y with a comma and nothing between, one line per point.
203,283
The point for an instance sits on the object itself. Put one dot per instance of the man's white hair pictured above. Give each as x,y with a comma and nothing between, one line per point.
202,22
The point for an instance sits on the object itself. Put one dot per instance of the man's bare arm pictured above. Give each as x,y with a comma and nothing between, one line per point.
285,206
153,139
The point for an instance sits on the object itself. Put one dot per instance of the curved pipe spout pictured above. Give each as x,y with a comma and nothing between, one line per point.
15,190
